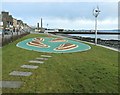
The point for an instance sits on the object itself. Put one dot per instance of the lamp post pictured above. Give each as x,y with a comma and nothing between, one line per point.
96,13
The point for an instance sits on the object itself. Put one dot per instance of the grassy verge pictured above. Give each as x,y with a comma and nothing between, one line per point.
92,71
0,68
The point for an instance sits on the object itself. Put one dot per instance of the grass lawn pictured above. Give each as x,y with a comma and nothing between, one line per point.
92,71
0,68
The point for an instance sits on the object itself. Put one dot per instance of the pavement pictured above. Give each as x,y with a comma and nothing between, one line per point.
114,49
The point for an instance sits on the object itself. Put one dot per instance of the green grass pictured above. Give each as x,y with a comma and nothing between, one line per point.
92,71
0,63
0,68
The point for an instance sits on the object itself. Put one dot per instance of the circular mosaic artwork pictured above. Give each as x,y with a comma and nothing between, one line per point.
53,45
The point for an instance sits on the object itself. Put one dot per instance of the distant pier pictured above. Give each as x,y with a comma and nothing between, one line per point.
104,33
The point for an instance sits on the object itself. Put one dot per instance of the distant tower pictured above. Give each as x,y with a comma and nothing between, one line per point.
41,24
37,25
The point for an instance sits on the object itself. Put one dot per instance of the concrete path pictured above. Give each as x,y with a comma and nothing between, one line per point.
10,84
88,43
41,58
19,73
35,61
46,56
29,66
17,84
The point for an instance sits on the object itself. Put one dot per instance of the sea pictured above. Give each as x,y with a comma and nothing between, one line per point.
101,36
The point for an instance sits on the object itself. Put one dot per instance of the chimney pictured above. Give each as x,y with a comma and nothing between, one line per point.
41,22
37,25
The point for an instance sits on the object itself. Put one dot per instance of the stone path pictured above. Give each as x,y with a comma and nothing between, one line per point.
36,61
46,56
17,84
41,58
19,73
10,84
29,66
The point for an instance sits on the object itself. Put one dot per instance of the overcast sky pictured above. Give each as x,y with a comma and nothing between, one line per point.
68,15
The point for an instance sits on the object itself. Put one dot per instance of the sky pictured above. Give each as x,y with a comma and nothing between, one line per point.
66,15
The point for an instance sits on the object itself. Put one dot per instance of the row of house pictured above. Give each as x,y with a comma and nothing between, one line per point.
7,22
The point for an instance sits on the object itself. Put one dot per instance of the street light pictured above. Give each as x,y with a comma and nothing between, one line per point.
96,13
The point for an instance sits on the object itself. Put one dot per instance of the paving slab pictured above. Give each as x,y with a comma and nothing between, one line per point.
10,84
46,56
19,73
41,58
29,66
36,61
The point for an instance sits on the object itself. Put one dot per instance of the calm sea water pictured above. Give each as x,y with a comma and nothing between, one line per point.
104,37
